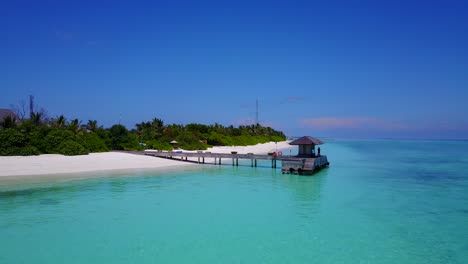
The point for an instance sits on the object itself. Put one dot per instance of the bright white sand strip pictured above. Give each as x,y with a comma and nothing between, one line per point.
256,149
58,164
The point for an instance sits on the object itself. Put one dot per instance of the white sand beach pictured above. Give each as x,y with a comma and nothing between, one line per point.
256,149
58,164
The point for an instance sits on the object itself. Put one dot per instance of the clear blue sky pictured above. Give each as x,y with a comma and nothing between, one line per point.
323,68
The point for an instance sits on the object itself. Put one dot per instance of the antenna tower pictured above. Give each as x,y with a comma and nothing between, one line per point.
256,112
31,105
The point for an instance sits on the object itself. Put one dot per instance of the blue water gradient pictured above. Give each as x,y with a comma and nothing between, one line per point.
379,202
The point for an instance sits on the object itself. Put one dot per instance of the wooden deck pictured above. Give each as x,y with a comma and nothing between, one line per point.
289,164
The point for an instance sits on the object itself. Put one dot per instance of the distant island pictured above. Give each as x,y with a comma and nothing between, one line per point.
41,135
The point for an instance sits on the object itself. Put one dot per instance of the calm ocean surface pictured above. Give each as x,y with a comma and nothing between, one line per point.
378,202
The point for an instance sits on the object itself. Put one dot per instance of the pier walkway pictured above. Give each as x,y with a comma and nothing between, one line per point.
290,164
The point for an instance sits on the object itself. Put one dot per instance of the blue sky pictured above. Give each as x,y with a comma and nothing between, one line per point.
363,69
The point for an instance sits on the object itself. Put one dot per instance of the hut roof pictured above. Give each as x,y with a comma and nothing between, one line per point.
306,141
173,142
7,112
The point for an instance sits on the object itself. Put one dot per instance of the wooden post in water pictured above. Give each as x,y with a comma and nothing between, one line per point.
237,162
219,161
255,162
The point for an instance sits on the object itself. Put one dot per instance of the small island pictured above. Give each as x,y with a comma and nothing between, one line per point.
39,134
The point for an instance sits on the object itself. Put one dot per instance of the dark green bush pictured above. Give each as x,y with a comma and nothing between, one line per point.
153,144
35,137
119,136
10,138
93,142
19,151
28,151
71,148
55,138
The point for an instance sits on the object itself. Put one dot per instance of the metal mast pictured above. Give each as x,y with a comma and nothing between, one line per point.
256,112
31,106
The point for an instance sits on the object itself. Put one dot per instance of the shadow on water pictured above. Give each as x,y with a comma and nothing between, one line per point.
304,188
45,194
305,192
54,191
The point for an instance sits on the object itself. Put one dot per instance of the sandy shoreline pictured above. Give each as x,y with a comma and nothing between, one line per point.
50,164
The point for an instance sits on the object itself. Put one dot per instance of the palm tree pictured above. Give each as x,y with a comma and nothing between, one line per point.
59,122
74,125
157,126
37,118
92,125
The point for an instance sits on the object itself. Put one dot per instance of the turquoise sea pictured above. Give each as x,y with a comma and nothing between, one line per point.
380,201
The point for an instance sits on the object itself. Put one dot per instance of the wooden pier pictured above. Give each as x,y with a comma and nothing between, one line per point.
289,164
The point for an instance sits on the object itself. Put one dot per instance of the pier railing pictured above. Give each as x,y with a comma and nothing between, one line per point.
218,157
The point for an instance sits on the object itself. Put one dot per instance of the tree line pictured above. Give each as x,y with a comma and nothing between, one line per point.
41,135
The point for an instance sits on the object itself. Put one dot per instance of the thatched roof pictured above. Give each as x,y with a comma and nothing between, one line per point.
7,112
306,141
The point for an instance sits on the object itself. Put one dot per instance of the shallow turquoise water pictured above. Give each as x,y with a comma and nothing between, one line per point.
379,202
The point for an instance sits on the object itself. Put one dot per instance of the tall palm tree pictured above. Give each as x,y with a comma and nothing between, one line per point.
92,125
37,118
59,122
157,126
74,125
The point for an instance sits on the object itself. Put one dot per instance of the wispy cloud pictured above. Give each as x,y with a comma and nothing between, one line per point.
326,123
378,124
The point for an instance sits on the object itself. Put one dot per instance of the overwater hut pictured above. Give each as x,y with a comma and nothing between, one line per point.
306,162
306,146
174,144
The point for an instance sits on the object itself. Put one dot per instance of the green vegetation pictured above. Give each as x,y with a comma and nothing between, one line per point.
198,136
40,135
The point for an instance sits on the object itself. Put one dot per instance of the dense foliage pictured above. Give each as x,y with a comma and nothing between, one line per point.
58,136
198,136
38,135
